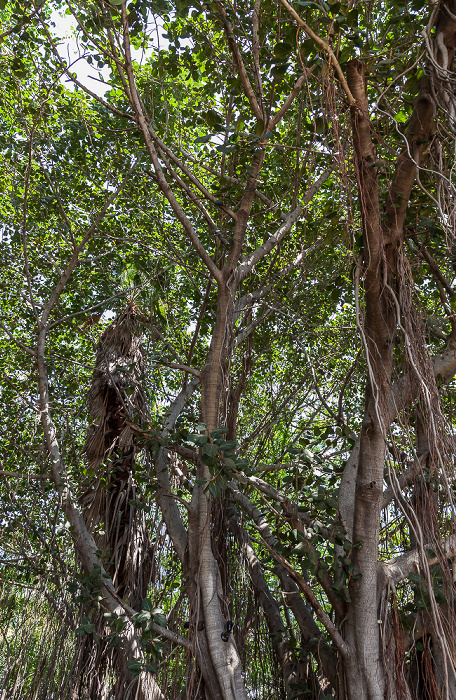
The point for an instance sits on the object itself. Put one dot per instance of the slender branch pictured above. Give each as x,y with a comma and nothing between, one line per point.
423,251
191,176
198,325
18,475
246,267
263,468
288,102
24,222
312,634
75,257
191,195
279,636
17,27
256,55
399,568
66,70
92,40
59,202
332,630
326,47
240,64
158,629
89,308
146,129
182,368
18,342
249,299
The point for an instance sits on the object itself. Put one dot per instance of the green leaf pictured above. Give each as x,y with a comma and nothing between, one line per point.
198,439
152,668
402,117
160,618
259,127
283,49
211,450
85,628
308,3
214,490
135,667
204,139
228,445
210,462
222,481
218,431
300,550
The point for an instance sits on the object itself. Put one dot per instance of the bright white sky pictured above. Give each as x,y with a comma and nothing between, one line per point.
65,27
69,52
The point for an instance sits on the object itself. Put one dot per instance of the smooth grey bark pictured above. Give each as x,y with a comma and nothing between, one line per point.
168,506
279,633
347,487
311,633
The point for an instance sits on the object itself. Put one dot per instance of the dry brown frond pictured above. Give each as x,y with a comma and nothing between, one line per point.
115,395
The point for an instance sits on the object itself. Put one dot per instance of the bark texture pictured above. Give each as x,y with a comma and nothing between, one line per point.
387,303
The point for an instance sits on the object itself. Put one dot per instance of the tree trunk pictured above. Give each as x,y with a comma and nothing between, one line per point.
387,303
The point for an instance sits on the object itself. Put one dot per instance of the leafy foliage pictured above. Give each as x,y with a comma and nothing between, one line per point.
210,153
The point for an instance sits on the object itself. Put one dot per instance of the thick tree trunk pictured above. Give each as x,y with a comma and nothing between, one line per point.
378,335
223,661
386,297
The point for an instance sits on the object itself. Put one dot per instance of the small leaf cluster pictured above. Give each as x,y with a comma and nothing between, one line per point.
220,458
145,620
148,616
422,597
89,590
117,624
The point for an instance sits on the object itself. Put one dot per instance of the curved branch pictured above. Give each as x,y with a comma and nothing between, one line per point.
326,47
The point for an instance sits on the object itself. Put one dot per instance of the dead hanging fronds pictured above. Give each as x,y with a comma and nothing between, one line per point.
111,506
115,396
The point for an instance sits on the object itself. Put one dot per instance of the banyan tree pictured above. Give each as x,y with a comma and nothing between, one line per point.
228,350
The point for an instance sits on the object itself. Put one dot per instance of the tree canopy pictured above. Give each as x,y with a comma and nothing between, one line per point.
228,349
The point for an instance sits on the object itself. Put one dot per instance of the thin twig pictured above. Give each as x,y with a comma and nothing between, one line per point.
326,47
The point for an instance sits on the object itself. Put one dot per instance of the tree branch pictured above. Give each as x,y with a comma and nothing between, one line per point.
146,129
240,64
326,47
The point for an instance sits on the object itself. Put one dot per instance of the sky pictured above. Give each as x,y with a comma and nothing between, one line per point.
71,52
